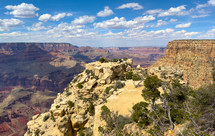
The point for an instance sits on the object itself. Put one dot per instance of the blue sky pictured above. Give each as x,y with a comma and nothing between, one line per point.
106,23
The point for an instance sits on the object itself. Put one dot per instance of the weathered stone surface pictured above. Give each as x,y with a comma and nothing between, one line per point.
191,58
71,109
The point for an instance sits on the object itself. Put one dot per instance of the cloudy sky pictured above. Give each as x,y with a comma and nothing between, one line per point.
102,23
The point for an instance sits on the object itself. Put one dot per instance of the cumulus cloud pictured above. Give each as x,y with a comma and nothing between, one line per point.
12,34
122,23
7,24
134,6
106,12
183,25
161,22
199,16
47,17
179,11
153,11
37,27
70,31
208,34
173,20
83,20
211,2
23,10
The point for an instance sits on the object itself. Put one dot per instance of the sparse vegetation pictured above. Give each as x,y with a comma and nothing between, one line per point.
91,109
118,85
46,117
71,104
107,89
102,60
37,132
114,122
79,85
57,106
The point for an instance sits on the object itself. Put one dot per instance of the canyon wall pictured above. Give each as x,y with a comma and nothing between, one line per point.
194,58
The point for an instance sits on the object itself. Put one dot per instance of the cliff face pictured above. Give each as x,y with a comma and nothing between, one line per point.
72,109
192,58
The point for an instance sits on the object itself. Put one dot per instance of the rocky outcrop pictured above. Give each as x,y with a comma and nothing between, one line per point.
191,59
74,108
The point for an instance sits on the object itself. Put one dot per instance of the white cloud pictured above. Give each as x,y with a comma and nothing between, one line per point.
201,6
110,33
65,30
121,23
12,34
134,6
58,16
211,2
161,22
23,10
69,14
209,34
179,11
173,20
7,24
106,12
153,11
184,25
84,20
37,27
199,16
46,17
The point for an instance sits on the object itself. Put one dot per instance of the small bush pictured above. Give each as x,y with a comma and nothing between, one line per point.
125,59
52,118
57,106
128,75
37,132
68,93
79,85
107,90
43,132
102,60
91,109
136,77
118,85
71,104
140,114
46,117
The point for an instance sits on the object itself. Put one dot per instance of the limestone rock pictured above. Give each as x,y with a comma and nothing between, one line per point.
192,58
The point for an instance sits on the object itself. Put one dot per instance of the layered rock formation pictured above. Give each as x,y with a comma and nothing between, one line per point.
191,59
74,108
43,70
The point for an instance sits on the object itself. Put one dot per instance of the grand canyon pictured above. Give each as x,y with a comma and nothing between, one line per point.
33,73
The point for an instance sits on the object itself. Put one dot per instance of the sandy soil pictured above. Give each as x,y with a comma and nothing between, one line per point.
125,99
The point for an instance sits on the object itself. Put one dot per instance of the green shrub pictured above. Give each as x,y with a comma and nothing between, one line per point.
118,85
125,59
91,109
136,77
107,89
57,106
128,75
71,104
43,132
102,60
105,112
46,117
37,132
140,114
79,85
68,93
